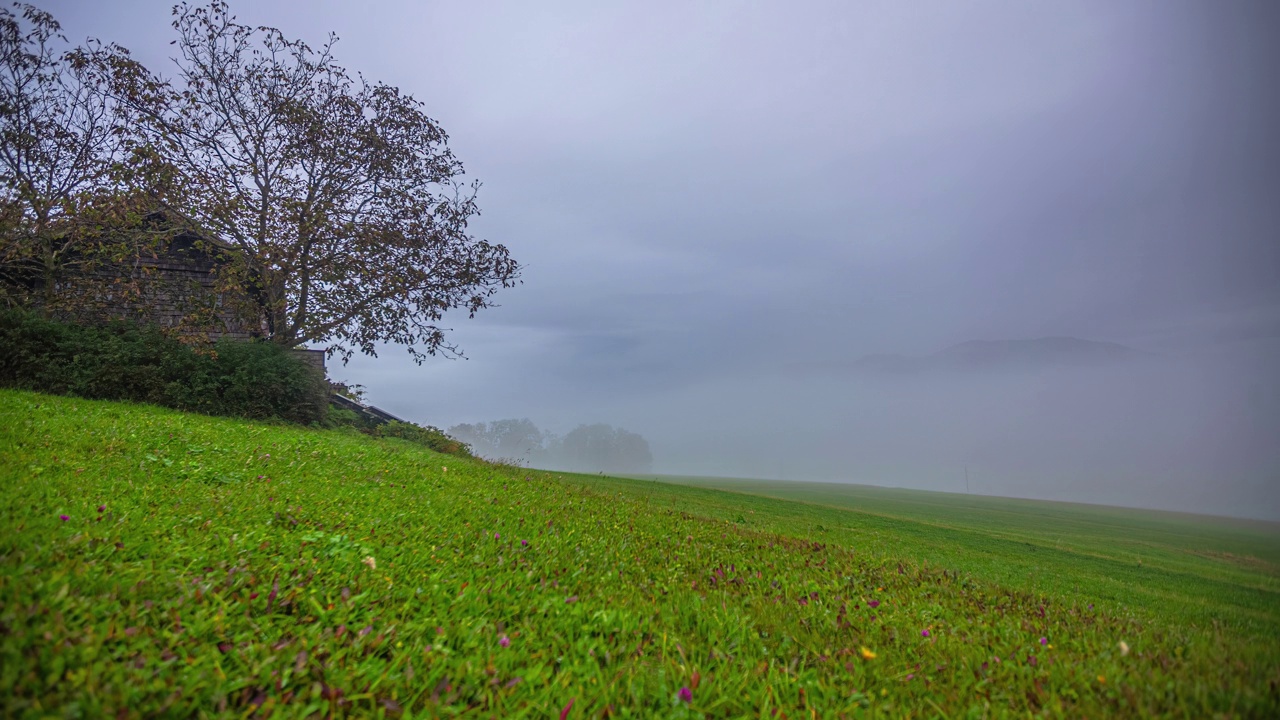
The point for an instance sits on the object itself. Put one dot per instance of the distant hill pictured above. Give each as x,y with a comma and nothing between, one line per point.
1006,354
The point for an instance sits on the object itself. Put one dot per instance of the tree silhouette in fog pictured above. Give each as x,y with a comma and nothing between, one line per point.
587,448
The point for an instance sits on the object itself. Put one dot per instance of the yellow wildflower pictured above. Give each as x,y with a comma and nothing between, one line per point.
866,653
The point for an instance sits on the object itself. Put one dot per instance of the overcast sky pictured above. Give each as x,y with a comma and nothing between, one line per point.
720,205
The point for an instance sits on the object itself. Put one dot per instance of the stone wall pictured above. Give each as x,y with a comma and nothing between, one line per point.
314,358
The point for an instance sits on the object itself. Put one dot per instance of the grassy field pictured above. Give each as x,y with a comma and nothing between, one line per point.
160,564
1197,568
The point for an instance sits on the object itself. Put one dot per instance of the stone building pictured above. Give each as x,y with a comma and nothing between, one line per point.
173,284
179,290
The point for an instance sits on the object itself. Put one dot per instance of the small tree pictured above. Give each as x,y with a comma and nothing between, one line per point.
339,195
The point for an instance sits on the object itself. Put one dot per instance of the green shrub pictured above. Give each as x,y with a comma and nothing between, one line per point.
344,417
433,438
261,380
123,361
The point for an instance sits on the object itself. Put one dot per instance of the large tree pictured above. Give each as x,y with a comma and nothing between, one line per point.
65,211
343,204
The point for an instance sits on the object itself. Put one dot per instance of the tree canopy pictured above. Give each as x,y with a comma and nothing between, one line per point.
64,200
344,211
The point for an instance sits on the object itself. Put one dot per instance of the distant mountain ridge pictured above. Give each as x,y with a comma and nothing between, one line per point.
1006,354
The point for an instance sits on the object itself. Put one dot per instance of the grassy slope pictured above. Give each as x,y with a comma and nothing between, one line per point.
1194,568
225,573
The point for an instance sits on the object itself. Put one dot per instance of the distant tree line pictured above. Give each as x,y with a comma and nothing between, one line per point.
586,448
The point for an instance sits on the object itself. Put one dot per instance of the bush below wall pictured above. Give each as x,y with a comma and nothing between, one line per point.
123,361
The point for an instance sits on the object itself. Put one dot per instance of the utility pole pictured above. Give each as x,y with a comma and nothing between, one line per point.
966,479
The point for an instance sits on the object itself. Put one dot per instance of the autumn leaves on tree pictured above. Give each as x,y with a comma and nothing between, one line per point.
335,203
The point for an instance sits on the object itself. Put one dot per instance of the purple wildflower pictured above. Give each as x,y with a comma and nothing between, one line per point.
1044,641
524,543
504,641
496,536
873,604
64,518
686,694
102,508
924,633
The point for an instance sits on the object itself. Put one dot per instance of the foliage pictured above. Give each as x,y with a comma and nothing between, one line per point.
79,190
160,564
125,361
256,380
353,391
60,172
344,417
429,436
434,438
339,194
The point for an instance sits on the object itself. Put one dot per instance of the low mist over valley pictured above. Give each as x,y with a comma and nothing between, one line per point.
1193,433
1095,423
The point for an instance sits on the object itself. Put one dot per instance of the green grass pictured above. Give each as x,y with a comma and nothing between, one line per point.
1195,568
212,567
